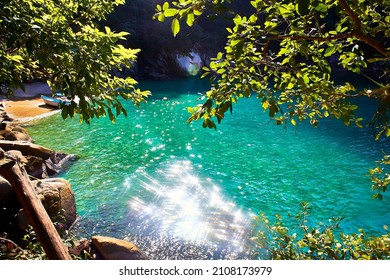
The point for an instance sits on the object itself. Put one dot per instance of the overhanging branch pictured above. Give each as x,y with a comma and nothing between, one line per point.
306,38
358,32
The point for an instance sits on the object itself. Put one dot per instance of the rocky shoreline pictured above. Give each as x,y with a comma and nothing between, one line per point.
56,195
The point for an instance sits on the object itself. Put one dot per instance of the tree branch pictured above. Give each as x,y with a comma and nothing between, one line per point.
358,32
371,42
11,242
306,38
351,14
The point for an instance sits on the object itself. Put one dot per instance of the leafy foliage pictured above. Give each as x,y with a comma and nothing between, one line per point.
60,42
380,177
285,53
33,250
319,242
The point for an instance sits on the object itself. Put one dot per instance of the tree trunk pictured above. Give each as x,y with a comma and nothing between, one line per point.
14,172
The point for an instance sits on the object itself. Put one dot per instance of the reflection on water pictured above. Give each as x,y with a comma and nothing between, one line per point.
175,205
172,214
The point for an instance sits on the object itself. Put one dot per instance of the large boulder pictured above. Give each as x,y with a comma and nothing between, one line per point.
57,197
35,167
26,148
7,195
13,132
39,161
116,249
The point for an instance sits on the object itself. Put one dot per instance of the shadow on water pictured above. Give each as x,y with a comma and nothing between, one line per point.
174,88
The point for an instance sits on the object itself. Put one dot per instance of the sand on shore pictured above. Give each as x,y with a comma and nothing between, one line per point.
29,105
21,109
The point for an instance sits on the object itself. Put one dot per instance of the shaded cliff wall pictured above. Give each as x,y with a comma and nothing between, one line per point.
159,49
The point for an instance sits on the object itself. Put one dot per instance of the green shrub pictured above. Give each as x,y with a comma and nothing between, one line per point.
322,242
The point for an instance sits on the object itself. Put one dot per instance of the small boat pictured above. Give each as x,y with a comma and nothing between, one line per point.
55,101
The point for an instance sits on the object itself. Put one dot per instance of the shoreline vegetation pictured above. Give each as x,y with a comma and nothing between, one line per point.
17,111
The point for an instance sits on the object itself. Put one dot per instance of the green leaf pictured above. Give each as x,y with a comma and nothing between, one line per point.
161,17
302,7
190,19
254,4
353,107
239,49
388,132
197,12
175,26
65,112
373,60
330,50
284,11
170,12
321,8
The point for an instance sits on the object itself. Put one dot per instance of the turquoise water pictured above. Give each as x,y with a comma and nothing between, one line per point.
183,192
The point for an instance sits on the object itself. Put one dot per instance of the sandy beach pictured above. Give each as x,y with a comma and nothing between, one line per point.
24,106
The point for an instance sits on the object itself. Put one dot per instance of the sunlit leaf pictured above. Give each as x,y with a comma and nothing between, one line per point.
175,26
190,19
170,12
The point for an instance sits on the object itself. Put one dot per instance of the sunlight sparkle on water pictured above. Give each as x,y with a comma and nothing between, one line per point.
176,201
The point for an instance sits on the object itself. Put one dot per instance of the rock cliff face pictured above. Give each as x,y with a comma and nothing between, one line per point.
160,51
40,163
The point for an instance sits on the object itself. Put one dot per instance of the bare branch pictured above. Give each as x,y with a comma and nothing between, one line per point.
11,242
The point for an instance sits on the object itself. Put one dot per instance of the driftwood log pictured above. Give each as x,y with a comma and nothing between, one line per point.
12,170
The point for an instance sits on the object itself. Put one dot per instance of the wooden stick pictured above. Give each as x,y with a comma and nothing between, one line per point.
12,170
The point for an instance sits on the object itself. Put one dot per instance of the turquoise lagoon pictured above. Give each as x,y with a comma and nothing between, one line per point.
179,191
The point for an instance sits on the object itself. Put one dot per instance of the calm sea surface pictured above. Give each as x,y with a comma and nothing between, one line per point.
179,191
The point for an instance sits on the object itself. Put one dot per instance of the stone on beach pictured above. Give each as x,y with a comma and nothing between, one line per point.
116,249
